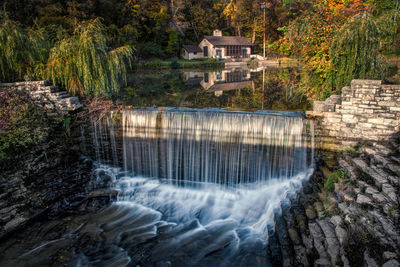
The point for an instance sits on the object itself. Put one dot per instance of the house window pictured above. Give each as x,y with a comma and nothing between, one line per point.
219,75
234,76
233,50
219,52
194,53
244,52
205,51
206,77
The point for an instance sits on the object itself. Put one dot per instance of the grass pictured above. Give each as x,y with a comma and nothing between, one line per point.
178,64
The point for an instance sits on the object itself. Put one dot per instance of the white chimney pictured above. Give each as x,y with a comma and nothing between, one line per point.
217,33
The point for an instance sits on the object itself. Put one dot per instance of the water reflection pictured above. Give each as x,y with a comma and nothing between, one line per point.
271,88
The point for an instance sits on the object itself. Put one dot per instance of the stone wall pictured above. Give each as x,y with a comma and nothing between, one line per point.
46,95
368,110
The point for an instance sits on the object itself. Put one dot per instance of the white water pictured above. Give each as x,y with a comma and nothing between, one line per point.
216,179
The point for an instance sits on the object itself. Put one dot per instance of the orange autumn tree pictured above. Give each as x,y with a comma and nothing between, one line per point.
311,35
347,7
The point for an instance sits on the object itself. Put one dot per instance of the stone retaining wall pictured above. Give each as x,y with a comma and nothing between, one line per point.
368,110
46,95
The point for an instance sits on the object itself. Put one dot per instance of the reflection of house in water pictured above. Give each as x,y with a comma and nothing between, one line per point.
225,80
219,81
193,77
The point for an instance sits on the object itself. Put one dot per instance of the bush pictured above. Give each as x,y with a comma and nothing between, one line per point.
333,178
22,125
150,50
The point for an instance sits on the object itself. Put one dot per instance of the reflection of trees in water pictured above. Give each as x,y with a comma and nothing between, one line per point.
169,89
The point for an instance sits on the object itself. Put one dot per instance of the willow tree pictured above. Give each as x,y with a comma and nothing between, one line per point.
23,52
355,51
84,64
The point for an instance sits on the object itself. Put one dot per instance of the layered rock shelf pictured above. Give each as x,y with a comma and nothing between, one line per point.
46,95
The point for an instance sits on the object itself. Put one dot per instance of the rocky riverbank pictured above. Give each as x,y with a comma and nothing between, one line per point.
348,213
43,174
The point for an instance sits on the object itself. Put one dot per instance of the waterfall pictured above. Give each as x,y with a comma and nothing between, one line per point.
214,147
201,187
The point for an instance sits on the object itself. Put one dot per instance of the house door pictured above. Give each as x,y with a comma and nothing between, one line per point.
205,51
219,53
244,52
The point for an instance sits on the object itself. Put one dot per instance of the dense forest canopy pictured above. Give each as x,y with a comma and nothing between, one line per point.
323,34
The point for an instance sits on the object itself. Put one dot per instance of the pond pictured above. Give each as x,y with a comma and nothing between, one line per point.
269,88
203,178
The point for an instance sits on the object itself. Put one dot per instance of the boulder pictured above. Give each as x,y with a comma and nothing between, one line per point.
322,262
391,263
311,214
341,235
387,255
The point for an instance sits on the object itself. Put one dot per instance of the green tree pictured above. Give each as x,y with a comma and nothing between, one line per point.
173,43
23,53
355,52
84,64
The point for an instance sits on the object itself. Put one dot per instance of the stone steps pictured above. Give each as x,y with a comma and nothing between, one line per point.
47,95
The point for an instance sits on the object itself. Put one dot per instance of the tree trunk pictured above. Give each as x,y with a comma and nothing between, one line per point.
253,39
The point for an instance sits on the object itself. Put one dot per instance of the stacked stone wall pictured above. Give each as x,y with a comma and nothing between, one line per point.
46,95
367,110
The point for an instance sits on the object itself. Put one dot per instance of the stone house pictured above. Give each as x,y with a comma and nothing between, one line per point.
225,47
192,52
221,47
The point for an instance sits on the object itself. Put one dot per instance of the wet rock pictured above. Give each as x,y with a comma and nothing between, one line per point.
348,198
14,223
331,241
301,255
345,261
343,207
310,213
391,263
301,222
362,200
322,262
363,167
163,264
294,236
371,190
389,191
319,239
319,206
308,243
368,261
387,255
379,198
103,193
341,235
336,220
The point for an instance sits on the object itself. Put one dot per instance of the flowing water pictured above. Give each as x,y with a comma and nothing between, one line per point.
202,187
196,187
